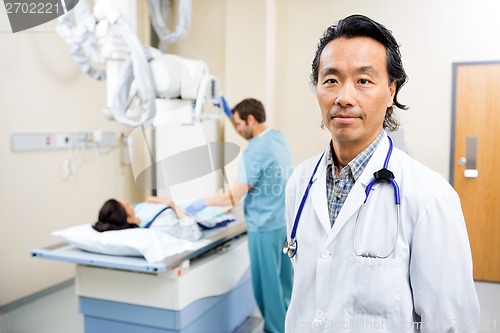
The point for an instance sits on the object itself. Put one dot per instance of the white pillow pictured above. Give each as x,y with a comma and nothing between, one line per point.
152,244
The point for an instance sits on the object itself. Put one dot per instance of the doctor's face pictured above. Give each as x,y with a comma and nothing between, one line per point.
353,90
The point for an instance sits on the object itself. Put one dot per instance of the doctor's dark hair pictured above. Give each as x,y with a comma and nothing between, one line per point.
362,26
112,216
250,106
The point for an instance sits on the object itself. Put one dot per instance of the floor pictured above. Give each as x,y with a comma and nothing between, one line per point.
489,300
52,312
56,311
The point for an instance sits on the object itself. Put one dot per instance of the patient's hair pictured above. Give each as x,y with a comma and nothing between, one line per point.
112,216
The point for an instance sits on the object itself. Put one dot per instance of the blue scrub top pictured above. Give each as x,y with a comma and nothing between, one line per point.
266,166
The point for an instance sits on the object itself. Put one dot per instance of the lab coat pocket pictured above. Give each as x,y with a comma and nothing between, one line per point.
373,286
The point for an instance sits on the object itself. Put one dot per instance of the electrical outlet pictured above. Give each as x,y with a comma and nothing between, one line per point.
64,140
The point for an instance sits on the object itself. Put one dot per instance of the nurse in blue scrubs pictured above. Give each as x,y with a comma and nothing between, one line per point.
264,170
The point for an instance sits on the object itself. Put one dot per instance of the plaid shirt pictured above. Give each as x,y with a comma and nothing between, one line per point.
338,187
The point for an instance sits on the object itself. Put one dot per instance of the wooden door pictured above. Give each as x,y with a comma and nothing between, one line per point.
477,130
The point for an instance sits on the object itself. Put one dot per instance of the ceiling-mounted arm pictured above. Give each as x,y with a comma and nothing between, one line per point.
77,28
159,20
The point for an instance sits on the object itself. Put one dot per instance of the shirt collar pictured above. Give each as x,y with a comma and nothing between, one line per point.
264,132
358,164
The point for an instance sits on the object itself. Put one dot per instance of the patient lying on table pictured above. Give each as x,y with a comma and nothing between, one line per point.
158,213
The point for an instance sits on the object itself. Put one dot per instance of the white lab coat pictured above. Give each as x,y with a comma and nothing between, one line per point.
426,284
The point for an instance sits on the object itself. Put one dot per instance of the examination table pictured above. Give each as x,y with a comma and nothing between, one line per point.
207,290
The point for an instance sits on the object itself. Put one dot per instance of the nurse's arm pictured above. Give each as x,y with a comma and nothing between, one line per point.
230,198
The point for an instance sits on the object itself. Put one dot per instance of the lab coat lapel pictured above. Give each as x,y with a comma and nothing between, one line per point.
318,196
350,207
357,194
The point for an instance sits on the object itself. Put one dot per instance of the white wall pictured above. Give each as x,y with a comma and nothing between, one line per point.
432,34
43,90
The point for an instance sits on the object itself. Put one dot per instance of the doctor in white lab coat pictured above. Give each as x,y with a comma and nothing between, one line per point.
425,284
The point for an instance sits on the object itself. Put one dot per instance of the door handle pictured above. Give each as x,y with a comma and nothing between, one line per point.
470,159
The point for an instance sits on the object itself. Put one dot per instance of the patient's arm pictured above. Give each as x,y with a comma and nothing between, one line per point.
180,213
153,199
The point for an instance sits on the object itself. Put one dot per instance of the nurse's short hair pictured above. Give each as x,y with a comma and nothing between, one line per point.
250,106
362,26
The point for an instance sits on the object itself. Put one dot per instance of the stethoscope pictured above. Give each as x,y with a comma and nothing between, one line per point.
383,175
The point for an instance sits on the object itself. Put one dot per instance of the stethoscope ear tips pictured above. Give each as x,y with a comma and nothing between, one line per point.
383,175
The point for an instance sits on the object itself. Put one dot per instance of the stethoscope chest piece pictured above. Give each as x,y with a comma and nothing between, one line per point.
290,247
